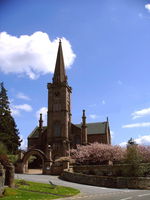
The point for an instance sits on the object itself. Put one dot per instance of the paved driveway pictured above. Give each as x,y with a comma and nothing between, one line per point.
90,192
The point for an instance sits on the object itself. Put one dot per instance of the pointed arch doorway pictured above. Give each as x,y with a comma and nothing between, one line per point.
37,164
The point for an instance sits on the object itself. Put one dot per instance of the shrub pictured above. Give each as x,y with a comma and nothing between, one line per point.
132,155
137,154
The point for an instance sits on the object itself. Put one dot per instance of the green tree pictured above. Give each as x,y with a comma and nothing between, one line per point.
3,149
133,156
9,133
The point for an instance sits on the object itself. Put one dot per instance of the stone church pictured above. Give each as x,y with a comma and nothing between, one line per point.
61,134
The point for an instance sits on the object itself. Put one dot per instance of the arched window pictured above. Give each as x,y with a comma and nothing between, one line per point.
57,129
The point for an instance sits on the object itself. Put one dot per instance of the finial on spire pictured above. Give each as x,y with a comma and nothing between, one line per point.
59,40
40,115
107,119
83,113
40,121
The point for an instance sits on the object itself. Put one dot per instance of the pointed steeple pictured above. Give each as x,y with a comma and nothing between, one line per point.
59,74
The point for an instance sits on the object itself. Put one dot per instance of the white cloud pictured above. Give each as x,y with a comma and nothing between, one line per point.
144,124
103,102
23,143
140,15
93,116
112,134
20,95
143,140
92,105
123,144
147,6
42,110
140,113
120,82
25,107
32,55
15,109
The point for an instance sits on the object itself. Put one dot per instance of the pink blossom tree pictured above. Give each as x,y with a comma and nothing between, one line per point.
97,153
144,152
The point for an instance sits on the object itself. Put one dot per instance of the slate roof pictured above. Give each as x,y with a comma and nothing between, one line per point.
35,132
95,128
92,128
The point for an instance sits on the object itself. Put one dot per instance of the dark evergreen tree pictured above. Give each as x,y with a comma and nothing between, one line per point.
9,133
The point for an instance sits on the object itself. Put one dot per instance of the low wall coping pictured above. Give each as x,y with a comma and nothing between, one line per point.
106,181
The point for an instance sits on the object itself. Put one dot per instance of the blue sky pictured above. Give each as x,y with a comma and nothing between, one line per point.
107,46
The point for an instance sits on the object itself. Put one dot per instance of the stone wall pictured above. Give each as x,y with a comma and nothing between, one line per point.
2,179
101,138
106,181
58,167
124,170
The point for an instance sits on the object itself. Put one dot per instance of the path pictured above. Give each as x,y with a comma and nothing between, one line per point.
90,192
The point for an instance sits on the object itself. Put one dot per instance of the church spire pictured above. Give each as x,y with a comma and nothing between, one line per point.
59,74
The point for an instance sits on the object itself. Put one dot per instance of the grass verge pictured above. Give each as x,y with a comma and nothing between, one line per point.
26,190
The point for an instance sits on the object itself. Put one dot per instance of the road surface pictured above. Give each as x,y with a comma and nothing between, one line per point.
90,192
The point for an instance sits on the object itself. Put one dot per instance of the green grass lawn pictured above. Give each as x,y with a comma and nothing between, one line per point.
27,190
